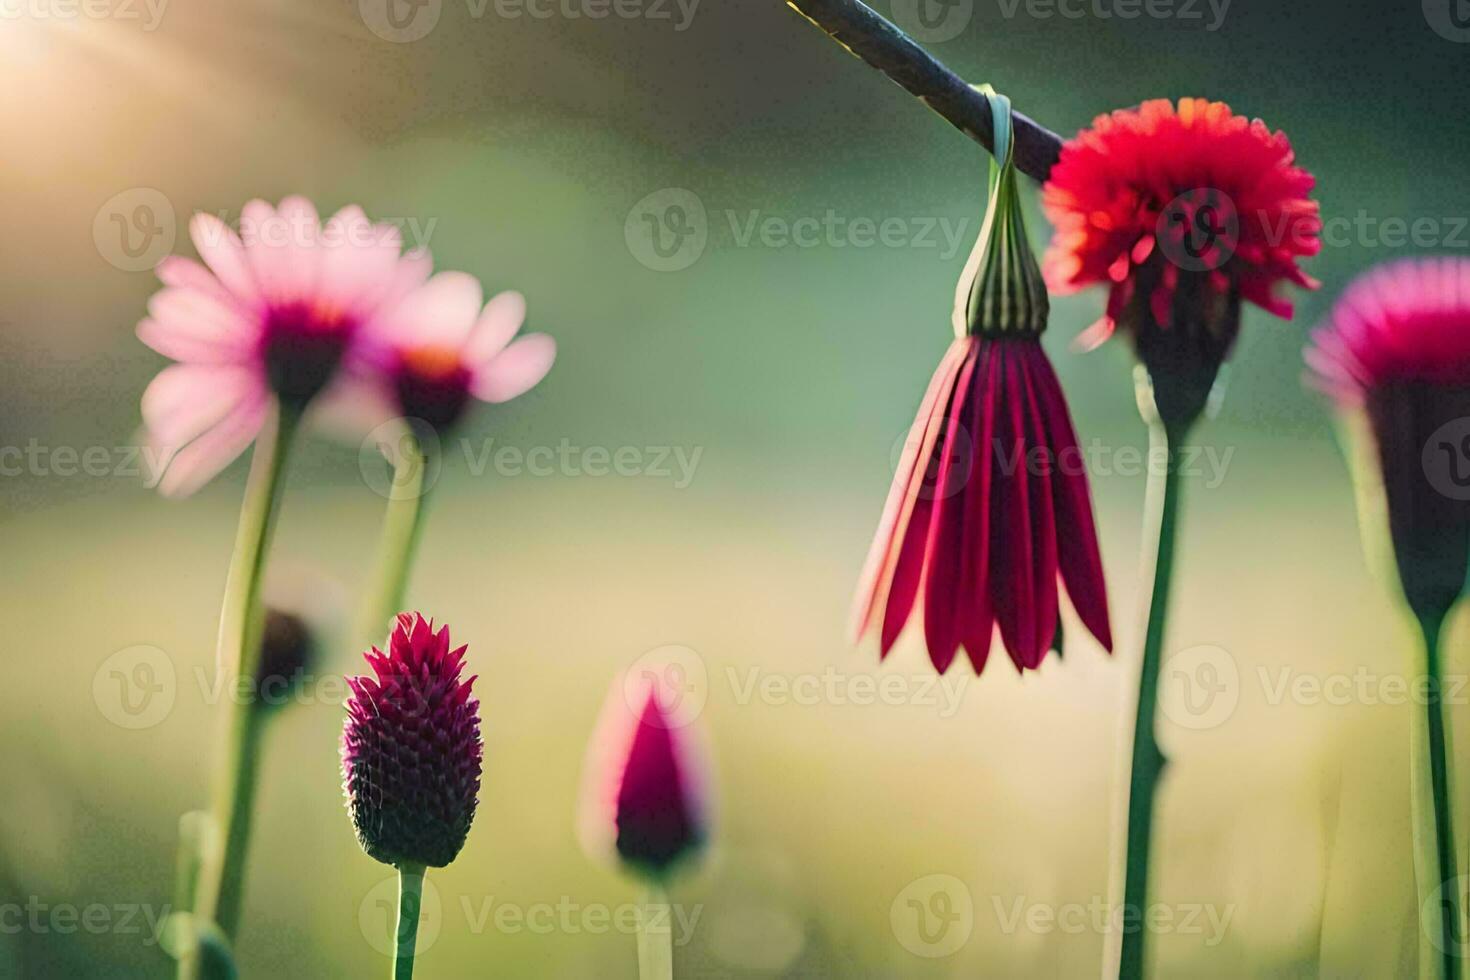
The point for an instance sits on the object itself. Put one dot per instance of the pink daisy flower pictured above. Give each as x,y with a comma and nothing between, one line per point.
270,315
440,347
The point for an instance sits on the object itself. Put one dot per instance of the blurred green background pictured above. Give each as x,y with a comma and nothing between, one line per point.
524,149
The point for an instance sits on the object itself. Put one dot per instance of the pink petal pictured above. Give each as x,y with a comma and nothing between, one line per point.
281,248
210,327
185,273
912,533
882,554
440,312
201,460
944,593
1043,506
221,250
186,399
503,316
978,620
1012,585
304,227
515,370
352,407
198,345
1078,556
357,260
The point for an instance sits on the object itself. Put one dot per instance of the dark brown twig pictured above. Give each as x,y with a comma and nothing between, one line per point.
873,38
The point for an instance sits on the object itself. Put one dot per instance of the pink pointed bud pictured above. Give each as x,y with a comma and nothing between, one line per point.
411,748
646,800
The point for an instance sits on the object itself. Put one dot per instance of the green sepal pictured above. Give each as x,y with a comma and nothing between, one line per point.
1001,293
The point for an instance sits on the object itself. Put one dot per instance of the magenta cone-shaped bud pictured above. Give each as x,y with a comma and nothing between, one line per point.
648,804
411,748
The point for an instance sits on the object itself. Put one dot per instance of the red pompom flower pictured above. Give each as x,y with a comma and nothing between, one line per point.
990,506
411,748
1183,213
1397,345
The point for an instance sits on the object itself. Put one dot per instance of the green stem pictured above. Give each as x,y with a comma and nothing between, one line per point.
238,656
237,842
1127,941
406,928
655,936
403,524
1435,817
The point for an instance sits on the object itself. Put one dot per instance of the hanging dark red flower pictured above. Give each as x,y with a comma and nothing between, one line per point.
990,511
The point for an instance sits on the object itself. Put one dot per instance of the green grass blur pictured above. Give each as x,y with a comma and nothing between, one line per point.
523,143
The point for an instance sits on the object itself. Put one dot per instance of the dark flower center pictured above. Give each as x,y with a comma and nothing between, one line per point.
302,347
433,385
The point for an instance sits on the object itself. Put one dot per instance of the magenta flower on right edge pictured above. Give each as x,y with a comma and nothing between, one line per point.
1397,348
1397,345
